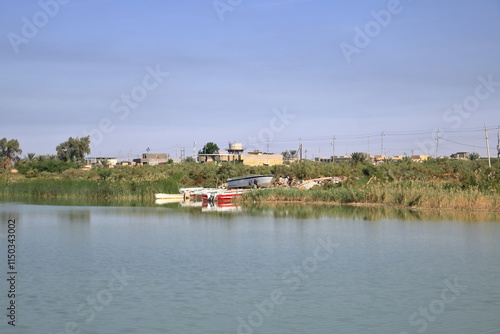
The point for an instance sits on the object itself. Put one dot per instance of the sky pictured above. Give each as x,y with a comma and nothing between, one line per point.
336,76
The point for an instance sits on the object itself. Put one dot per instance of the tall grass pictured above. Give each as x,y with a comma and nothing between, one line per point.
437,183
106,189
409,195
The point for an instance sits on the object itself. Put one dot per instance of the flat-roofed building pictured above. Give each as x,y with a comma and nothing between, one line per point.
102,160
152,159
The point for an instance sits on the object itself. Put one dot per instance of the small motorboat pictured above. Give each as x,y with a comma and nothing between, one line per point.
250,181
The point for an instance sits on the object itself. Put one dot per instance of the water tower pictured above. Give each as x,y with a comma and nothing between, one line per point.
235,149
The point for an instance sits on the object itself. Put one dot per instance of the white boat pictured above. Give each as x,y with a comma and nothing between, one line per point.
220,207
170,196
191,190
250,181
167,201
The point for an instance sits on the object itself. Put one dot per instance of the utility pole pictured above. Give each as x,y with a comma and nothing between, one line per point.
194,150
382,144
437,142
300,148
333,149
498,142
268,151
487,145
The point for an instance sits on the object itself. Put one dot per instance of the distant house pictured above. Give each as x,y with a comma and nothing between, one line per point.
152,159
420,158
461,155
235,154
97,161
257,158
378,158
343,158
323,159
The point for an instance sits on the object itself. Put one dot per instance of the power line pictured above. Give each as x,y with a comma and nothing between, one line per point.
456,142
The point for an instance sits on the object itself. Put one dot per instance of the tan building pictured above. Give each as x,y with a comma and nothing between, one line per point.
461,155
95,161
420,158
152,159
257,158
343,158
323,159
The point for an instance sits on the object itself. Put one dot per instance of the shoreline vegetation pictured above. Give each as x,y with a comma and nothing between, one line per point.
444,184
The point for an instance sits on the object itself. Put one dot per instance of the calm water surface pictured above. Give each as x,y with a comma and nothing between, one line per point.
90,269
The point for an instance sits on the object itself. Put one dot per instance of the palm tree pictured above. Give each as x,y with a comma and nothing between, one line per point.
358,157
30,157
9,151
473,156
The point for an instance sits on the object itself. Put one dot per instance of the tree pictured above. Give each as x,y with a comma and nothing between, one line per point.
104,162
358,157
47,165
209,148
74,149
42,158
289,154
30,157
407,159
9,151
474,156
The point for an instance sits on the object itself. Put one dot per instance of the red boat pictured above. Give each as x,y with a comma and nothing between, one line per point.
224,196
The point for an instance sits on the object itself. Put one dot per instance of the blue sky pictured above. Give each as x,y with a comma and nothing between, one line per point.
252,70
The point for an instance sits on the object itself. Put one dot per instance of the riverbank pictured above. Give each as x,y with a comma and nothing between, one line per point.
89,189
443,184
421,195
408,194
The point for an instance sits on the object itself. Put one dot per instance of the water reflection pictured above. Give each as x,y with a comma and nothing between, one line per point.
77,201
74,216
373,213
220,207
301,211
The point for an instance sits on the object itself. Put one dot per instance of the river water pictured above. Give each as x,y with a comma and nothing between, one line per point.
165,269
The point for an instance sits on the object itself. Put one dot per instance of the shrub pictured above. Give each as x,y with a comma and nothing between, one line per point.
74,173
51,166
104,173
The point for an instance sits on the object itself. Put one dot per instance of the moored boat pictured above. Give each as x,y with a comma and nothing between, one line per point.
170,196
250,181
192,190
228,196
